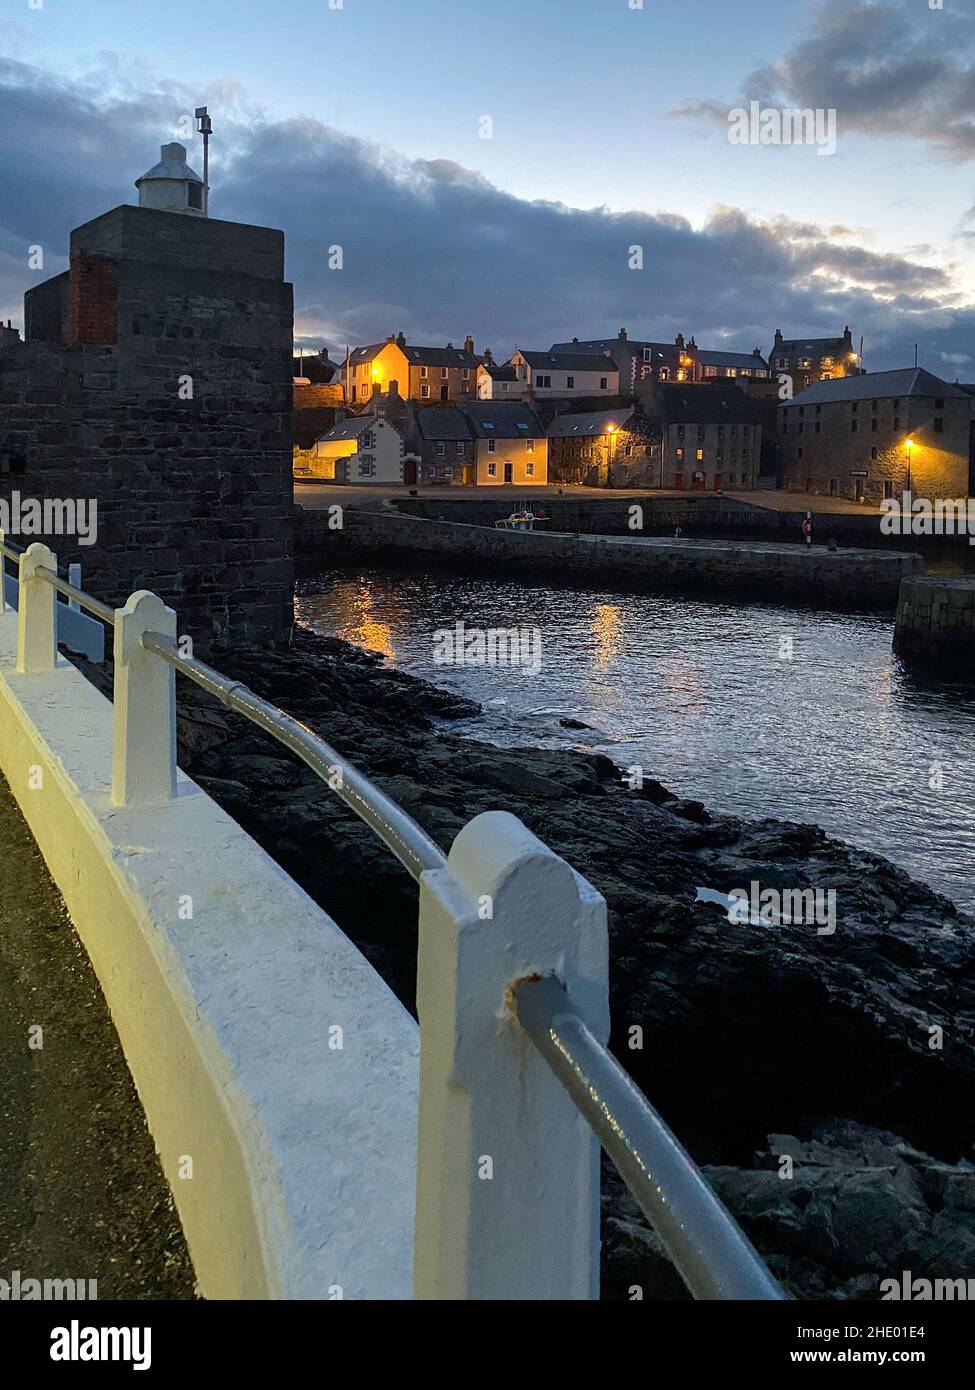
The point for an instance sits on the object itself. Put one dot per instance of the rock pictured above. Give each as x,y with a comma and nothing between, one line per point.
747,1031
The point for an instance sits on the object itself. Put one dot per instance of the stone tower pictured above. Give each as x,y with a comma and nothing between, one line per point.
155,379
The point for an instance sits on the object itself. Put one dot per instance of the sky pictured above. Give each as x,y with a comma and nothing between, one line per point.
488,168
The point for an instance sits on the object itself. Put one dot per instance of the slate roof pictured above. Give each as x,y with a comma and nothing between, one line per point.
503,420
707,358
588,422
905,381
418,356
706,405
352,427
500,373
569,361
632,345
817,345
441,424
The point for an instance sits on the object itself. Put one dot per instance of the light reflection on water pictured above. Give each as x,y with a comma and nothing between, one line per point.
697,694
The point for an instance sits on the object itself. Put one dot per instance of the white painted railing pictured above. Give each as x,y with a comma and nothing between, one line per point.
517,1087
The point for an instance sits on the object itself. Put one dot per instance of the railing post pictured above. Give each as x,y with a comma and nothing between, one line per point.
144,712
507,1169
37,648
74,577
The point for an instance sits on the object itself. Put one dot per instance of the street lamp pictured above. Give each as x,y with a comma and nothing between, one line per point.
205,128
910,446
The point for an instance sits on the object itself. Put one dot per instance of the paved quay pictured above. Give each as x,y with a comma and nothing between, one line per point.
82,1195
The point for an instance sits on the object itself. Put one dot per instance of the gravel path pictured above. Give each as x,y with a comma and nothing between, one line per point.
82,1195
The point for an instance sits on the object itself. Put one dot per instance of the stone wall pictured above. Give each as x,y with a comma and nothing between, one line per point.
167,400
935,624
762,570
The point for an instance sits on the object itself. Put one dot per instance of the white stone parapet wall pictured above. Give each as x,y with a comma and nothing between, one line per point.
302,1152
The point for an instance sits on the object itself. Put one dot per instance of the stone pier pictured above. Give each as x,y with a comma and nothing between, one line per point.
935,623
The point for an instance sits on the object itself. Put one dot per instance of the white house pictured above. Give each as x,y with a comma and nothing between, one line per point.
550,374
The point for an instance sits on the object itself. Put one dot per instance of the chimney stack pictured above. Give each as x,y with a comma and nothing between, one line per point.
469,344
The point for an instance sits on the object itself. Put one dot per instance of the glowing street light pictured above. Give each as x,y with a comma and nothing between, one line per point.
910,446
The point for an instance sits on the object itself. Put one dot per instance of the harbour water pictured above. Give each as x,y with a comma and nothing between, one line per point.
757,711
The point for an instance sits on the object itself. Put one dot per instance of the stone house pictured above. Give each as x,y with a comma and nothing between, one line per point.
362,449
550,375
806,360
848,437
510,445
640,360
711,435
616,448
443,440
420,373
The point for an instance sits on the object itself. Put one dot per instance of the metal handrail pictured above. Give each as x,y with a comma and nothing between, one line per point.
712,1254
84,600
710,1251
411,845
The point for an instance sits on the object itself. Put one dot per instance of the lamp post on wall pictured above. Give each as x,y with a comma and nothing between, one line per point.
910,446
205,128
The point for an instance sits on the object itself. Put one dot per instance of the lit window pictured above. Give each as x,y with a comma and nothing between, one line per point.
492,470
529,470
492,446
700,455
424,392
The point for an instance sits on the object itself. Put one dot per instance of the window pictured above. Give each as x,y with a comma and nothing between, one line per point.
603,383
801,427
460,446
700,431
529,446
854,407
897,422
721,431
492,446
734,431
543,381
465,374
827,361
445,393
441,447
710,371
570,382
745,455
805,362
354,390
365,392
939,425
873,452
424,372
680,432
367,467
874,424
719,455
529,470
939,404
424,393
492,470
448,471
194,195
819,426
700,455
888,487
853,426
664,373
443,373
648,354
799,453
782,363
680,455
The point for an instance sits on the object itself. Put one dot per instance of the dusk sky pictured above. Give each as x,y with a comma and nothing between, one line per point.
359,126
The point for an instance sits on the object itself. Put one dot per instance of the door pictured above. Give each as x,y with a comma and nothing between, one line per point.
409,472
717,482
509,472
678,481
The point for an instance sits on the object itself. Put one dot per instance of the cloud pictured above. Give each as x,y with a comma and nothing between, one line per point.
896,68
437,251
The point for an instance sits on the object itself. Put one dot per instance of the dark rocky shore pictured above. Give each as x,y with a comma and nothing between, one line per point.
758,1041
